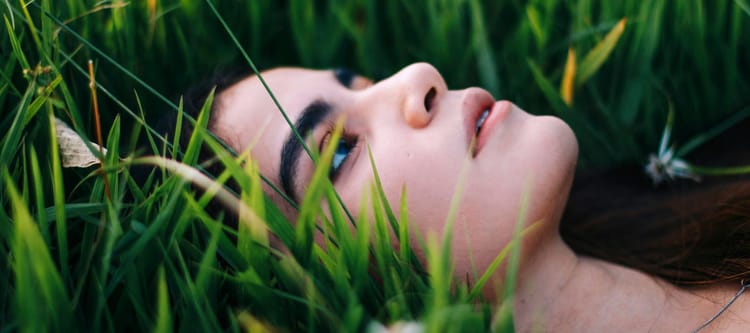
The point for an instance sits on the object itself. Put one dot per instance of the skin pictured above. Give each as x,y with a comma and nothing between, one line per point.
422,138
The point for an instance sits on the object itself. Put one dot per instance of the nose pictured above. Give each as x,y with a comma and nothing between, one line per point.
420,87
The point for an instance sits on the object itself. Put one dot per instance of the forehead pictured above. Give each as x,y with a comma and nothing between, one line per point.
292,87
247,116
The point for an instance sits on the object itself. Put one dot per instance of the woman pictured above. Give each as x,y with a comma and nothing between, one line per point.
427,138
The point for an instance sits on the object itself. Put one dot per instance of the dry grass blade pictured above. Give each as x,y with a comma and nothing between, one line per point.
567,86
233,204
599,54
73,150
97,121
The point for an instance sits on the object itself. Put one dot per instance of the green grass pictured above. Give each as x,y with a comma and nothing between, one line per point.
149,257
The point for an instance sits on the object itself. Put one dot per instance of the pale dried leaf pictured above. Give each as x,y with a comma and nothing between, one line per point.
74,152
397,327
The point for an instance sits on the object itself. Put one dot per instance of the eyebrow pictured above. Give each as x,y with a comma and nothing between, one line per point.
312,115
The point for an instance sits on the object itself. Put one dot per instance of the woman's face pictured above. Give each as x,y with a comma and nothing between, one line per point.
422,139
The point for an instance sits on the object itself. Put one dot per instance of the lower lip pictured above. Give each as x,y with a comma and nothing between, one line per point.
499,111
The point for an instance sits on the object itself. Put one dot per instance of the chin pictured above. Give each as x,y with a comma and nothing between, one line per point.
563,134
557,173
548,155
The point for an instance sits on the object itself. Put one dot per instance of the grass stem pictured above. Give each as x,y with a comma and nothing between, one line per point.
98,125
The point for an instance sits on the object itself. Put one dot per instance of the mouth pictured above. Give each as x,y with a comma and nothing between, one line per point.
487,120
481,120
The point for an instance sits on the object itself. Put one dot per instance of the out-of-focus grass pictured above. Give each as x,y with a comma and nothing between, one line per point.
150,257
689,52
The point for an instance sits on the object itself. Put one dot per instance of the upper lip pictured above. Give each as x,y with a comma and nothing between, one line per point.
475,101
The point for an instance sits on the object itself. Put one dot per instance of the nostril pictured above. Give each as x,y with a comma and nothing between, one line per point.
429,98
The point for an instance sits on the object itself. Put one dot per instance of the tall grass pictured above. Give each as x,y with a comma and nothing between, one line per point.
149,257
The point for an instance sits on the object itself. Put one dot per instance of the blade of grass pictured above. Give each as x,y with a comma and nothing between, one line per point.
196,139
106,57
98,126
567,88
599,54
743,4
208,262
726,171
163,314
39,196
711,133
15,44
260,77
32,28
39,287
270,94
11,139
58,191
553,98
485,58
310,208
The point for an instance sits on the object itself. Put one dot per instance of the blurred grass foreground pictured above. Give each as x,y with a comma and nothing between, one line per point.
89,249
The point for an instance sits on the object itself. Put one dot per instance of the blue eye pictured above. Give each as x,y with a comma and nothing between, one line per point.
342,152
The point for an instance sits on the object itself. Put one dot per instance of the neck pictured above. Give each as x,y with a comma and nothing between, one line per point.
560,291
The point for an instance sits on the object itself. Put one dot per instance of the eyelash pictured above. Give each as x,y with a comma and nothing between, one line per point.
350,141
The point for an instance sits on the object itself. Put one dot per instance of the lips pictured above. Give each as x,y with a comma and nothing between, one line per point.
496,115
481,115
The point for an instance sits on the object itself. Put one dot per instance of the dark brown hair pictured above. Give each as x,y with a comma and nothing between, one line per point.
193,100
685,232
194,97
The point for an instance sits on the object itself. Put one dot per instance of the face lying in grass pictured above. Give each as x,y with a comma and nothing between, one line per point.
425,138
422,136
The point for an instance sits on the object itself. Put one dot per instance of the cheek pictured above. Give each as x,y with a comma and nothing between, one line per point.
415,165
